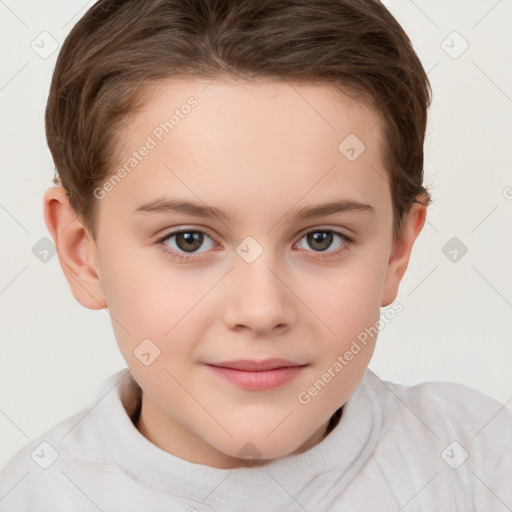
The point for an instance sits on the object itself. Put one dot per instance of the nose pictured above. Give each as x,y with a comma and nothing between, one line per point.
259,300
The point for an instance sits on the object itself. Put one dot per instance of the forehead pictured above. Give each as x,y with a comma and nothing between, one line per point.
242,143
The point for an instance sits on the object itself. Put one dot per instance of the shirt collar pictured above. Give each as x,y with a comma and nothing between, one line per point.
343,451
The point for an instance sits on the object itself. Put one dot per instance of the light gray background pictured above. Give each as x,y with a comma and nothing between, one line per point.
456,323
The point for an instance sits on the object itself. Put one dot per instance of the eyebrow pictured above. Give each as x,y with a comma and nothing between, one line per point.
167,205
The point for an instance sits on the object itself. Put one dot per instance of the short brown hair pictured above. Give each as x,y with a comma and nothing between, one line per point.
119,47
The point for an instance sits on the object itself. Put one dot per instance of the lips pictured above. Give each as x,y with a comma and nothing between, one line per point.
257,375
249,365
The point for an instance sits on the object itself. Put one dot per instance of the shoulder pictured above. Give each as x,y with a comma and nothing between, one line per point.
456,421
442,442
28,474
40,475
443,404
455,408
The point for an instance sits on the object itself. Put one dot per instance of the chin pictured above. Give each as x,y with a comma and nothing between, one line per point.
256,448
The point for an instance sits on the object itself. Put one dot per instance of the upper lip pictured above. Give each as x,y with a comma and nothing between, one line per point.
254,366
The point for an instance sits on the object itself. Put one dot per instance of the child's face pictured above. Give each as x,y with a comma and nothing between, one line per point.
260,152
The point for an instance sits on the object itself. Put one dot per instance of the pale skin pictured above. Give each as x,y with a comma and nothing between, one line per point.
261,152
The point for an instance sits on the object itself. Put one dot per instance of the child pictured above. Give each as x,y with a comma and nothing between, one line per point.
241,185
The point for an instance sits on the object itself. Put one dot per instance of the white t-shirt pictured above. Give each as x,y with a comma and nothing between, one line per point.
431,447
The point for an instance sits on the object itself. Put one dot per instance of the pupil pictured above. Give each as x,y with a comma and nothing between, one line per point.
324,238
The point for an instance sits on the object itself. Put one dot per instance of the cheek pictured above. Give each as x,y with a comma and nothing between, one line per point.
139,302
351,309
150,301
137,285
348,299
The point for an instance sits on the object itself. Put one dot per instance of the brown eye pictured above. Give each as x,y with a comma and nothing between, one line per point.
319,240
187,241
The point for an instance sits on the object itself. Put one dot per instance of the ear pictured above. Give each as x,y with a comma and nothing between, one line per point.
401,251
76,249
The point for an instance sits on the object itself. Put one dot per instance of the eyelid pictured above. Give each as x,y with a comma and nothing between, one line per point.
346,241
183,257
305,231
334,229
186,229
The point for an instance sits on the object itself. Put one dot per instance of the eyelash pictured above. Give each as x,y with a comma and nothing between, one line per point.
184,258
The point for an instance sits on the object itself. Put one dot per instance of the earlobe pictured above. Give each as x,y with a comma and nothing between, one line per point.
76,249
401,252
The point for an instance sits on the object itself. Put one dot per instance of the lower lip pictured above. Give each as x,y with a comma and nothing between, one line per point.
260,380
